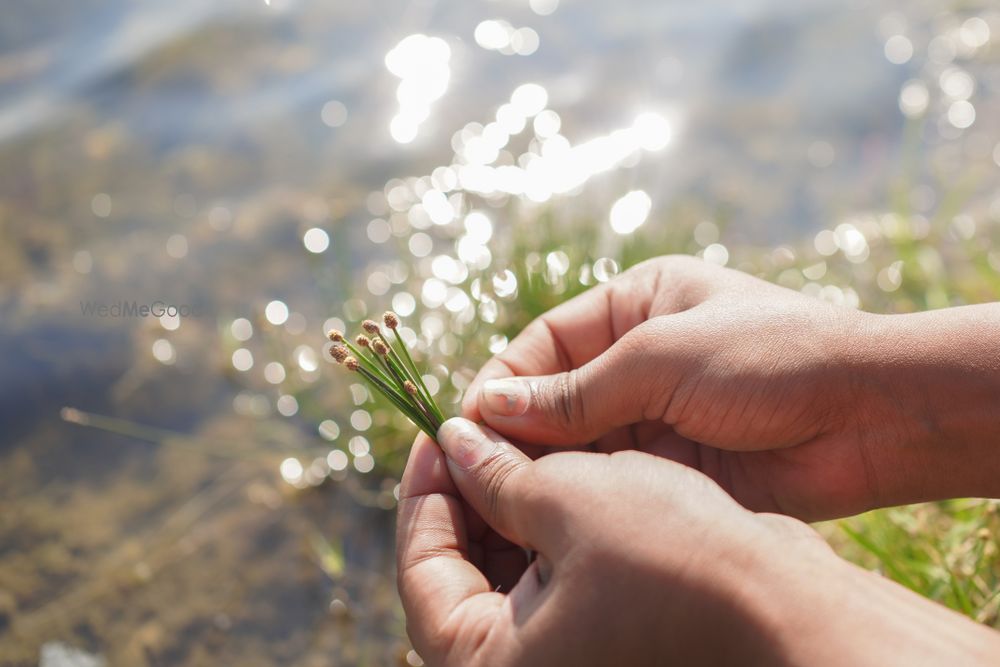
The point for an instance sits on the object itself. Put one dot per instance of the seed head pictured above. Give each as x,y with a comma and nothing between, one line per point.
390,319
339,353
335,336
410,388
352,364
370,326
363,341
380,347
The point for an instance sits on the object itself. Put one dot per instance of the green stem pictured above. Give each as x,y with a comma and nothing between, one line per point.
404,407
383,386
416,374
397,372
427,413
392,362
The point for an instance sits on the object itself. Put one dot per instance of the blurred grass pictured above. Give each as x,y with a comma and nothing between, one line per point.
945,551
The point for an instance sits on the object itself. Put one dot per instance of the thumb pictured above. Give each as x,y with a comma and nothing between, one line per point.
495,478
574,407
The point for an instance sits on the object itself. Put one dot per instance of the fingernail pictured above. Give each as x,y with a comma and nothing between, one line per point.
507,398
464,442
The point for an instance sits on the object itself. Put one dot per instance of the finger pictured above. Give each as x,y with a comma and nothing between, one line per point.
434,575
549,344
495,478
426,471
579,406
574,332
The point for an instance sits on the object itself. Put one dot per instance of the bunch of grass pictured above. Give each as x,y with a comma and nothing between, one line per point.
388,368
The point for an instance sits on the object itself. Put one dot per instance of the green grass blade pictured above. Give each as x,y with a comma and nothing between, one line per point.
883,556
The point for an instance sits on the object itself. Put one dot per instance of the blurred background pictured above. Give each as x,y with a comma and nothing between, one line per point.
197,485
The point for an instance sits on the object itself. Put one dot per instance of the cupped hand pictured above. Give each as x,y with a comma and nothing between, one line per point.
759,387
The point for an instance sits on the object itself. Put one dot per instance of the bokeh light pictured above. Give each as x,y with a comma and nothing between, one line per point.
629,212
242,359
276,312
316,240
421,64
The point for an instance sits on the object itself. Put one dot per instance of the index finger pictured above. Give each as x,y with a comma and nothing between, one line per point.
434,574
569,335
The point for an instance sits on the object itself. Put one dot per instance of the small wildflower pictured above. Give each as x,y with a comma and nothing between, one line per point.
380,348
410,388
335,335
370,326
390,319
352,364
363,341
339,353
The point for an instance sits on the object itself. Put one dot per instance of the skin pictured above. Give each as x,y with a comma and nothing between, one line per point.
702,400
791,404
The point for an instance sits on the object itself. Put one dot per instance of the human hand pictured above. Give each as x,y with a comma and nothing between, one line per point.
639,561
635,555
793,405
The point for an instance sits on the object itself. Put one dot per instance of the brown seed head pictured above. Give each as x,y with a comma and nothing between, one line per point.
390,319
380,347
370,326
410,388
352,364
339,353
363,341
335,336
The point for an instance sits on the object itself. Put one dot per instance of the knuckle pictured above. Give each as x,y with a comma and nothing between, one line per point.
562,400
494,475
643,361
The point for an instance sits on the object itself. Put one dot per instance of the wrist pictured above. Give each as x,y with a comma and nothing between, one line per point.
757,599
931,393
778,594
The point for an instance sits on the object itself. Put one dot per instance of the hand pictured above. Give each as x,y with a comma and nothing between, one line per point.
793,405
639,561
634,554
